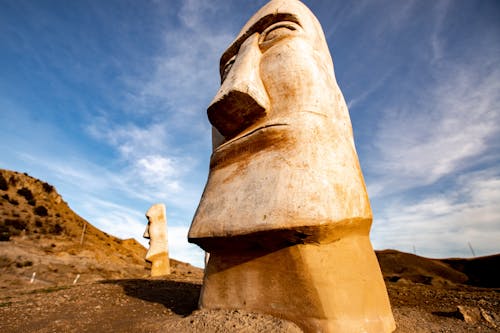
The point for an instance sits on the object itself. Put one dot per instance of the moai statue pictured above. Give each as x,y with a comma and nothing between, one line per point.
285,214
156,232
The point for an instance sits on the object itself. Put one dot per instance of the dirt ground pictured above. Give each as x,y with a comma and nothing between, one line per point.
170,305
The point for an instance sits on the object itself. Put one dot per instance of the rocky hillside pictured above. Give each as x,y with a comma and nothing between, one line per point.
39,233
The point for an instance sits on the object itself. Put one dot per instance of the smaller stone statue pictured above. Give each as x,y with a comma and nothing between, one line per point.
156,232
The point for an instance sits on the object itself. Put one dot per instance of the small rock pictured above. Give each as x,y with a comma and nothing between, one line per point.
403,281
489,319
469,314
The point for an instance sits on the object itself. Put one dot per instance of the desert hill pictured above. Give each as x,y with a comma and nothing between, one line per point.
40,233
405,267
481,271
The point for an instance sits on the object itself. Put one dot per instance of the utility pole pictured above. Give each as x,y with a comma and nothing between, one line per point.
83,233
471,250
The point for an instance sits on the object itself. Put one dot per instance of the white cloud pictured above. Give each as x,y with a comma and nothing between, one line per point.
443,225
161,144
155,170
450,130
148,165
131,139
444,129
437,47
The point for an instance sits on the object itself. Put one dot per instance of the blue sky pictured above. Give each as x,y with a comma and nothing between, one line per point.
107,101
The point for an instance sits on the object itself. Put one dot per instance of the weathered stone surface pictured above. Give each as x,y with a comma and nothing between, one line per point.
286,164
323,288
469,314
285,213
474,315
156,232
489,318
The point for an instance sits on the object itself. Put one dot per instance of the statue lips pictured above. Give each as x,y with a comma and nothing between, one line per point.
250,142
251,132
278,134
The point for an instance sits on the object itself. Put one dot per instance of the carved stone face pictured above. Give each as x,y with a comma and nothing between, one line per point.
278,65
284,168
156,231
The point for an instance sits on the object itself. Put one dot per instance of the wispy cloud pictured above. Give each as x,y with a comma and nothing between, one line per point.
369,91
435,38
149,163
429,141
443,224
166,135
129,138
74,172
185,74
447,127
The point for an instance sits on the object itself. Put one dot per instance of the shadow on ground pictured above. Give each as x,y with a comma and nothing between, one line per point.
179,297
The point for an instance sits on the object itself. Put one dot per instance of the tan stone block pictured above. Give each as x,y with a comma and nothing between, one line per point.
334,287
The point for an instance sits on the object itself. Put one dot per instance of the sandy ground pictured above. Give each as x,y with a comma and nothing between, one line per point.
170,305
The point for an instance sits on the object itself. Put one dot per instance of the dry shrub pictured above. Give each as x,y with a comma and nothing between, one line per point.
56,229
4,233
4,186
16,223
5,261
41,211
47,187
26,193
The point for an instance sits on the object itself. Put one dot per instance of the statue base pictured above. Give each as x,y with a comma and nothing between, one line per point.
334,287
160,265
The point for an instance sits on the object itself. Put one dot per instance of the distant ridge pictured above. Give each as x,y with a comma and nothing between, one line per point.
405,267
480,271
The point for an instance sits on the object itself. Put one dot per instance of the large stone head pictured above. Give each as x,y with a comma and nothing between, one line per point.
277,66
284,168
156,232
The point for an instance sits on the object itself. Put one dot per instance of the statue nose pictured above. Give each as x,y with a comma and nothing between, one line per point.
146,232
242,99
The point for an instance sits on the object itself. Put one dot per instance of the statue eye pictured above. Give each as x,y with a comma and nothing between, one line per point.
227,68
277,32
